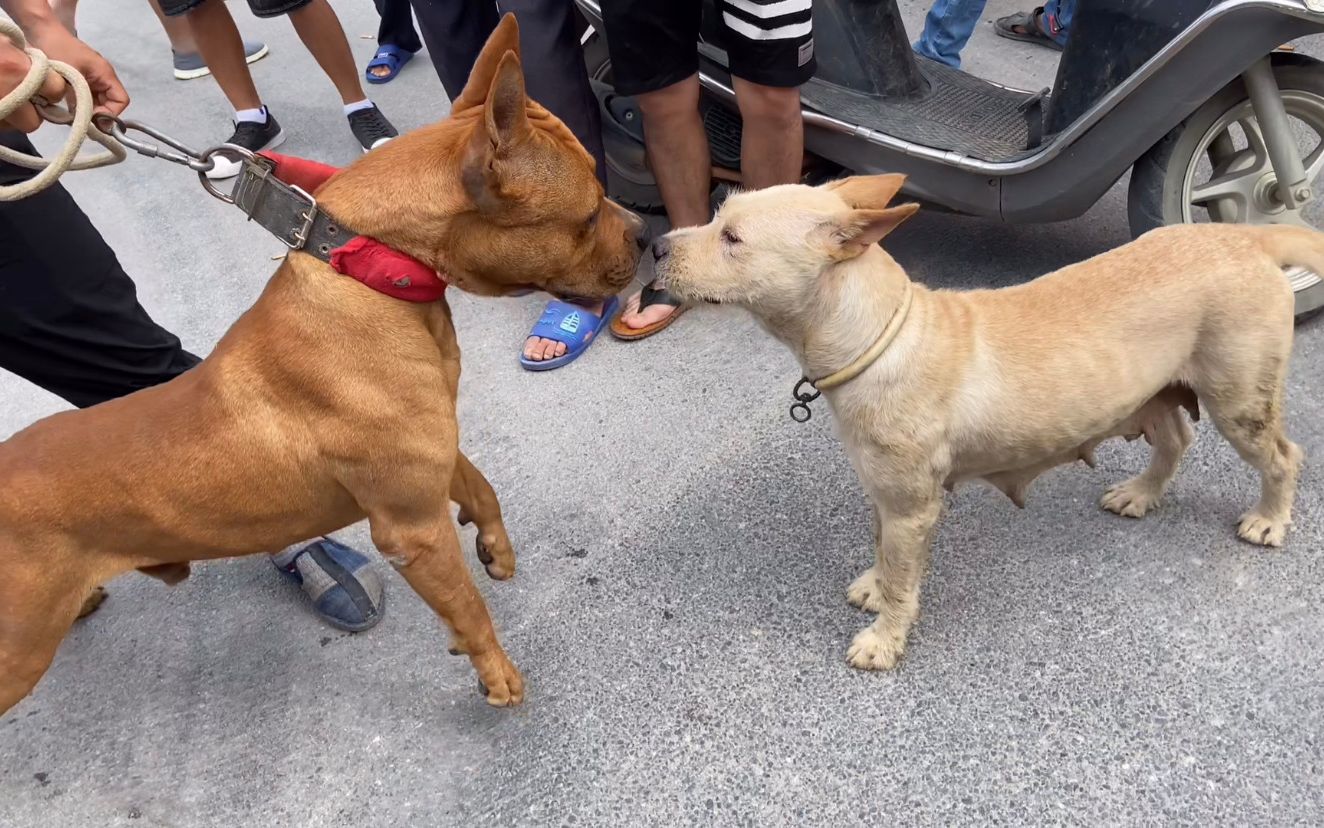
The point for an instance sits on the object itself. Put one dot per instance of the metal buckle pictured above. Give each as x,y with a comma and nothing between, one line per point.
800,408
251,185
309,216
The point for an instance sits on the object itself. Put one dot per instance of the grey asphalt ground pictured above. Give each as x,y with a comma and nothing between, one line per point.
679,611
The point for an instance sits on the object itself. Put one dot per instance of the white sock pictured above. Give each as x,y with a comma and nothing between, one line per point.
350,109
257,116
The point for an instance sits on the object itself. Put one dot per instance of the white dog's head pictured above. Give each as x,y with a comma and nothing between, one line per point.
772,251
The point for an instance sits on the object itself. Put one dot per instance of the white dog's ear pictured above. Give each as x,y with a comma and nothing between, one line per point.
867,192
850,234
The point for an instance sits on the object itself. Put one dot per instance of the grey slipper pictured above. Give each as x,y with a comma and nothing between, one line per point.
345,590
191,65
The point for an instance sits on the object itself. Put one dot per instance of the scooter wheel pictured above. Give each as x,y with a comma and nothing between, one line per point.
1214,166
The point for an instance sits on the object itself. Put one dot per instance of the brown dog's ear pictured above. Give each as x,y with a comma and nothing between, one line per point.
505,38
856,231
505,124
506,118
868,192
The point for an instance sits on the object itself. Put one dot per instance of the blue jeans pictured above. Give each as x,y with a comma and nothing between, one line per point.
949,24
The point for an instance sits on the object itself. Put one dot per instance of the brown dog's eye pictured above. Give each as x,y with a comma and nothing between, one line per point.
593,219
729,237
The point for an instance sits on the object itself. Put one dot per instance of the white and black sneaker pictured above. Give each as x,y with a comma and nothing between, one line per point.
370,126
251,136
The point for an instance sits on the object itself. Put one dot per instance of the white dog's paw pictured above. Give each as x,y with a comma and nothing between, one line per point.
1131,498
873,651
864,592
1262,531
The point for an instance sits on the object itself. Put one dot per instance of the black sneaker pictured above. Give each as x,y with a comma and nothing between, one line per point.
251,136
371,127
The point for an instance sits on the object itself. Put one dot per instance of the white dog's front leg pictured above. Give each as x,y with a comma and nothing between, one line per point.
863,591
906,529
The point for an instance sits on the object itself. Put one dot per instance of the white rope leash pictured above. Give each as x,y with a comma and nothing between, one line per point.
79,122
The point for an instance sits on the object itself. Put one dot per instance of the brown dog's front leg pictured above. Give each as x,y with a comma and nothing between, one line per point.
428,556
479,505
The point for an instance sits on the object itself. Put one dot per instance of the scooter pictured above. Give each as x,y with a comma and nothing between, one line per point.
1215,122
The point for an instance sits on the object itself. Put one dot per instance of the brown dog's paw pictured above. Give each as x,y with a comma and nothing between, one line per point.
873,651
496,554
92,602
499,680
1262,531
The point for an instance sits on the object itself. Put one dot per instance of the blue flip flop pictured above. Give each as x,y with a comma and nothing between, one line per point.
574,326
392,57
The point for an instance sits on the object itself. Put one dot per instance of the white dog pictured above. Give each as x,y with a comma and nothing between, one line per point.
932,387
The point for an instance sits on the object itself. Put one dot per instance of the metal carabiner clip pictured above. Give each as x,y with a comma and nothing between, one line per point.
179,153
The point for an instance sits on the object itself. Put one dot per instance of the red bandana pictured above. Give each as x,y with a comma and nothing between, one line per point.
381,268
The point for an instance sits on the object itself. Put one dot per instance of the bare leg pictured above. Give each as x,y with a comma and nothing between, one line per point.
1135,497
678,153
479,504
321,32
772,144
177,29
907,522
428,556
220,45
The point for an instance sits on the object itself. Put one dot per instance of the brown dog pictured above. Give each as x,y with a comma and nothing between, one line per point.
327,402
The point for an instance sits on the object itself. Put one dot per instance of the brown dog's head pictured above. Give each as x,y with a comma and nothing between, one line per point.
501,197
772,250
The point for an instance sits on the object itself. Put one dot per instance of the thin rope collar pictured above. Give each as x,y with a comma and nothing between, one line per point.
800,409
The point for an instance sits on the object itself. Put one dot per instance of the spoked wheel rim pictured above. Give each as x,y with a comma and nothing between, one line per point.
1231,179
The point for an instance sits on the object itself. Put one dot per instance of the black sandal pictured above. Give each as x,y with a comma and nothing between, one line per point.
648,297
1027,28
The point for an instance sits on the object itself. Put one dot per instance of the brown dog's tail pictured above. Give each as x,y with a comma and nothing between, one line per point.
1291,246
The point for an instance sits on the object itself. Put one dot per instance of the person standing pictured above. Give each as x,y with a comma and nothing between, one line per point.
255,128
397,42
70,320
654,57
556,77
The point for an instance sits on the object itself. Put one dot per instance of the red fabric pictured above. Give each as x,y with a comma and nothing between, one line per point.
381,268
388,271
302,173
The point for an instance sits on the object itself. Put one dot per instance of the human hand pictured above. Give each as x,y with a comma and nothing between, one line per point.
14,66
108,94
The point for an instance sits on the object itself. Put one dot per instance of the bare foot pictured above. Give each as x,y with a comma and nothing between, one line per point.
538,349
651,315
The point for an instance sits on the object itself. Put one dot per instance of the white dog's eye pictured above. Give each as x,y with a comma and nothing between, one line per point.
729,237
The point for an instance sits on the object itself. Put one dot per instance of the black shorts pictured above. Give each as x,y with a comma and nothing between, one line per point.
260,8
653,43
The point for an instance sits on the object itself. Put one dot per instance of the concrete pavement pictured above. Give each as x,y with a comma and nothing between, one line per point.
684,550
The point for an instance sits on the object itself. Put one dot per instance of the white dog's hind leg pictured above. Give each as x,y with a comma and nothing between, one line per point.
1171,436
1257,435
903,555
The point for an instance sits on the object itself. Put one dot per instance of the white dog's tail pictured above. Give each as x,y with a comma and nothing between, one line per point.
1293,246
